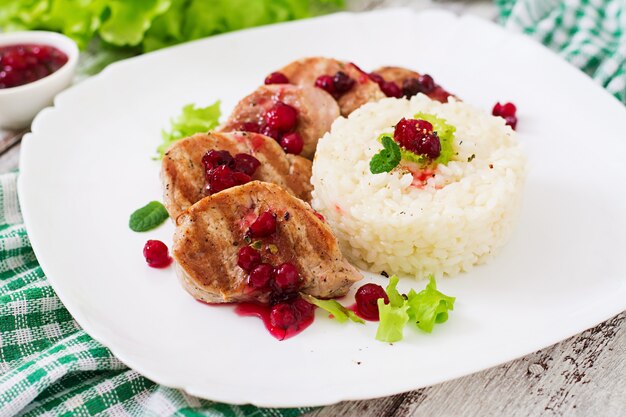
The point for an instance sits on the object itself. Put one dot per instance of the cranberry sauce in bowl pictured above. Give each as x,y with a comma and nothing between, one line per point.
25,63
34,67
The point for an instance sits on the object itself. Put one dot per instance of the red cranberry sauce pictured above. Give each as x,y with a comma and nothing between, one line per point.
412,86
156,254
418,137
281,320
223,171
285,313
23,64
508,112
336,85
279,122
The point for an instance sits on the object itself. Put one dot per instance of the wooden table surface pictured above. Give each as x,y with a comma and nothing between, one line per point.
581,376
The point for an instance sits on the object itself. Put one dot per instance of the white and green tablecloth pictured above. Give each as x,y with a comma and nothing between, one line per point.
50,366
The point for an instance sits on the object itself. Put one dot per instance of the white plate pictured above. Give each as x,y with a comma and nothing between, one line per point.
87,166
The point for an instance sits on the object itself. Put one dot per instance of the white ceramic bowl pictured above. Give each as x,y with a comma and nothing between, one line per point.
19,105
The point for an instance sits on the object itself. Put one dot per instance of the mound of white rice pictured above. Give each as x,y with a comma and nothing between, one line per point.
456,219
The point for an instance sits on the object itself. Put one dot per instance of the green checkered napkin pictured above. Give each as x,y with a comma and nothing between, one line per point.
590,34
49,366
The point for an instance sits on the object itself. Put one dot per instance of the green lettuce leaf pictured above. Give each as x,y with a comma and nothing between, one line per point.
128,21
392,321
191,120
395,298
152,24
339,312
445,132
429,306
425,308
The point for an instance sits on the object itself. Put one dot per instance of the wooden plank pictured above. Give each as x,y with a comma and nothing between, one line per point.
9,149
582,376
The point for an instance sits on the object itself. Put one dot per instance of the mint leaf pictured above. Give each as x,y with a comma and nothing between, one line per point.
148,217
429,306
191,120
338,311
388,158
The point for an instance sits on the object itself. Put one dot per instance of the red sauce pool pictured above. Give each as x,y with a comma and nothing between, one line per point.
356,311
25,63
263,312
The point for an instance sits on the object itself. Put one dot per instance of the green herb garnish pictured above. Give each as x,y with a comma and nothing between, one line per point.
257,244
425,308
388,158
191,120
148,217
339,312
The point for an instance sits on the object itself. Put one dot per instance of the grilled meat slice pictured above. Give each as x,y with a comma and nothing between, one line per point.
316,111
409,81
210,234
183,176
305,71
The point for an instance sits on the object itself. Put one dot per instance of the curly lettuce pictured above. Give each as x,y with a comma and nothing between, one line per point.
424,309
152,24
191,120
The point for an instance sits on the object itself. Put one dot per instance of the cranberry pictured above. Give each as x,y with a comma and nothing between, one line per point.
417,136
511,121
276,78
326,83
342,82
367,300
224,177
22,64
156,254
283,316
259,277
411,87
213,159
245,163
248,258
424,125
507,111
303,307
391,89
271,132
264,225
292,143
405,132
250,127
286,277
377,78
281,117
429,145
427,83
